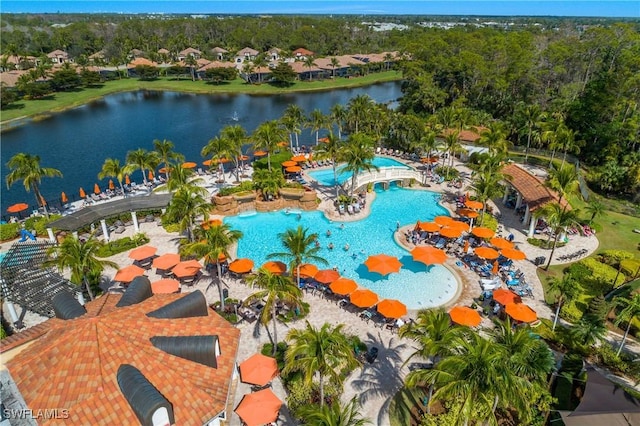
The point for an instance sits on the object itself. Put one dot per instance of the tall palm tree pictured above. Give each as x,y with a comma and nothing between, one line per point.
317,121
191,62
268,182
358,108
274,288
630,310
310,62
588,331
166,155
80,258
325,351
292,120
452,145
187,204
568,143
338,117
595,208
336,414
334,64
331,149
216,242
495,138
358,156
486,186
218,149
300,248
141,159
181,176
530,116
558,219
112,168
564,180
236,137
27,168
267,136
428,143
565,288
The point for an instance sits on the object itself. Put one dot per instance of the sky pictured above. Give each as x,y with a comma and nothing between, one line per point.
591,8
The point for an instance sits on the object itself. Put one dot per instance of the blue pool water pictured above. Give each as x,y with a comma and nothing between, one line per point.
415,285
325,177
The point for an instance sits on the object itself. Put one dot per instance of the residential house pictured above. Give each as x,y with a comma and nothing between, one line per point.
246,54
59,57
219,53
189,51
273,54
213,64
346,65
136,53
308,73
301,54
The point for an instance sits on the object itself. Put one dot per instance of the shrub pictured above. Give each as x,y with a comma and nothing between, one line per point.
245,186
570,311
544,243
9,231
601,276
614,257
450,173
489,222
121,245
630,267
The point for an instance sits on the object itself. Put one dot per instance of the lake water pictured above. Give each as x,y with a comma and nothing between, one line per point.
78,141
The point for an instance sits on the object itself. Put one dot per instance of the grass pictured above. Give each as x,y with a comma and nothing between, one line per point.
60,101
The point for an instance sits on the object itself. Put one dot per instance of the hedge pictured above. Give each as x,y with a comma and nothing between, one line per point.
121,245
630,267
9,231
601,275
614,257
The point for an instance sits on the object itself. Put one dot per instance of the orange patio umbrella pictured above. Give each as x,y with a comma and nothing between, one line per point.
127,180
504,296
326,276
323,140
206,163
187,268
391,308
82,193
189,165
259,408
363,298
64,198
428,255
128,273
383,264
476,205
258,369
283,143
343,286
275,267
96,189
307,270
241,266
458,224
501,243
243,157
112,185
429,226
166,261
259,153
210,223
164,169
451,232
471,214
143,252
425,160
442,220
298,158
463,315
513,254
289,163
521,312
482,232
17,207
487,253
293,169
150,175
165,286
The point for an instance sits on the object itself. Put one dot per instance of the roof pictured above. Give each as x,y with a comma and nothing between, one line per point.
300,67
217,64
190,50
57,54
343,62
247,51
533,190
91,214
163,51
142,61
10,78
74,364
466,135
301,51
219,50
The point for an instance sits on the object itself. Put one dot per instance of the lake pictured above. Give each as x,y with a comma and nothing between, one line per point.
77,141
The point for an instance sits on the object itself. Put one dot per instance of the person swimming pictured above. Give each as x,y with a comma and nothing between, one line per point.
342,226
328,232
317,244
330,246
346,247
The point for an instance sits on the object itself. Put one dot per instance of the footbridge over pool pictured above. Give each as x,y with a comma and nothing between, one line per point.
385,175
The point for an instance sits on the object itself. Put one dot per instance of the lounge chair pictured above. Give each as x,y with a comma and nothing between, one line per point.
350,209
341,209
441,242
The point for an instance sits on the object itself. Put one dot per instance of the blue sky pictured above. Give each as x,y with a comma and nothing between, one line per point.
605,8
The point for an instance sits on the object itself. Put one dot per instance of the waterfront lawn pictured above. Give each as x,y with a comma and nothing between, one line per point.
63,100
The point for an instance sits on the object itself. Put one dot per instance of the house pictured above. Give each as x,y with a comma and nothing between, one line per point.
273,54
132,358
58,57
135,53
308,73
10,78
163,51
302,54
219,53
97,57
246,54
345,65
190,51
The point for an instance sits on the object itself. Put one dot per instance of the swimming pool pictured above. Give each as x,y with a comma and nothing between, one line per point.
325,177
415,285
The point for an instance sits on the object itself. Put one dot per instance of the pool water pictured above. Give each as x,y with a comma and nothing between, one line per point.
416,285
325,177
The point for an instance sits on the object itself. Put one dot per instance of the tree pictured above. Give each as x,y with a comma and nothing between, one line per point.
335,414
564,180
530,115
358,154
558,219
588,331
220,74
141,159
495,138
595,208
236,137
147,72
187,204
630,310
166,155
66,78
300,248
331,149
317,121
486,185
215,245
267,136
26,167
568,143
80,258
334,64
452,146
292,120
268,182
274,288
283,74
8,95
217,150
191,62
112,168
90,78
309,62
338,117
181,176
358,109
565,288
325,351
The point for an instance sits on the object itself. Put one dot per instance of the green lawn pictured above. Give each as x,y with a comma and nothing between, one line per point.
64,100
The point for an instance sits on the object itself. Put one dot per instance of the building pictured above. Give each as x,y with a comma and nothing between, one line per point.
58,57
301,54
246,54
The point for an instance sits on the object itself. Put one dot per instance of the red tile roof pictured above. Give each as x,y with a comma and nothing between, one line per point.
301,51
142,61
533,190
73,365
466,135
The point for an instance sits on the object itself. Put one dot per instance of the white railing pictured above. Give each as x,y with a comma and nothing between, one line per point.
386,174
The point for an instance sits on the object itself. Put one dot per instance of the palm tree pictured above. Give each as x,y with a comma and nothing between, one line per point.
166,155
267,136
331,149
80,258
141,159
292,120
358,109
338,117
530,115
300,248
428,143
325,351
486,186
274,288
595,208
268,182
317,121
236,137
452,145
630,310
335,414
495,138
568,143
588,330
564,180
112,168
217,150
186,205
214,246
388,59
191,62
334,64
309,62
181,176
358,156
565,288
558,219
26,167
